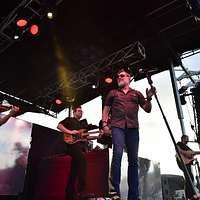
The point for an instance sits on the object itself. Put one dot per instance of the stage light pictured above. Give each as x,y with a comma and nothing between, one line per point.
34,29
94,86
17,34
16,37
21,23
50,15
58,102
108,80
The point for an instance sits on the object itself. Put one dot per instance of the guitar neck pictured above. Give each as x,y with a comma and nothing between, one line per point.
92,137
89,133
197,152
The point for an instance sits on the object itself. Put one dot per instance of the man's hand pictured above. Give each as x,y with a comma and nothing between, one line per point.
150,92
100,133
13,110
106,130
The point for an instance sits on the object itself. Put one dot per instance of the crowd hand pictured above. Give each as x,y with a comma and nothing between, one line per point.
14,110
150,92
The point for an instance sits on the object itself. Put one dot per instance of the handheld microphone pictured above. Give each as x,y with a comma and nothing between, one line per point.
148,73
149,79
144,71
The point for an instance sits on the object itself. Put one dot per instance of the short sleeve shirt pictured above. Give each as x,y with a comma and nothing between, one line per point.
183,146
124,107
72,123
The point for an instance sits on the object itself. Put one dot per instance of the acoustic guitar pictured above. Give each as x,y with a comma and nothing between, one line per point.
187,156
82,136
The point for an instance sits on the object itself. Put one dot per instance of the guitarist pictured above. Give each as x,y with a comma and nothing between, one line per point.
186,154
71,125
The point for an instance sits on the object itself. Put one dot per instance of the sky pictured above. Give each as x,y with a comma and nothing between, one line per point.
155,140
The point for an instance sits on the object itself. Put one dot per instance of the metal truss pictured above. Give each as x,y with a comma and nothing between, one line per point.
190,53
130,54
35,8
27,104
190,73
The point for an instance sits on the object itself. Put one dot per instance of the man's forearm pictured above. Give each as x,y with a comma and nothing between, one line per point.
63,129
105,115
147,106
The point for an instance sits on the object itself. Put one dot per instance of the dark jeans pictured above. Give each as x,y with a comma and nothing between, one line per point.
128,138
78,169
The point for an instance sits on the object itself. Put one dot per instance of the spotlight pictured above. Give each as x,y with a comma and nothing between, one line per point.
108,80
34,29
17,34
50,15
16,37
94,86
58,102
21,23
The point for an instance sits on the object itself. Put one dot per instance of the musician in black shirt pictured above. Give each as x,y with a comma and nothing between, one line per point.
71,125
188,156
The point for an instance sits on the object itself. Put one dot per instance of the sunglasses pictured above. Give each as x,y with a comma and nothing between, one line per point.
122,76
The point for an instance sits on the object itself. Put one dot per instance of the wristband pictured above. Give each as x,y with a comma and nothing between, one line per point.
104,126
104,122
149,99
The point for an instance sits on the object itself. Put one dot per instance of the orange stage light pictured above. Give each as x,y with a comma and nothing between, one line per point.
58,101
21,22
108,80
34,29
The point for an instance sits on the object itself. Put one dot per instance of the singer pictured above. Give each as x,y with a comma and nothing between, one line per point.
124,103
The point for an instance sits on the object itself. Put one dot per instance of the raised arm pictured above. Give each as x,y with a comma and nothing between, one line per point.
149,93
5,118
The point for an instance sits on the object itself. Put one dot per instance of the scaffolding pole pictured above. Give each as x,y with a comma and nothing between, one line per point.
177,98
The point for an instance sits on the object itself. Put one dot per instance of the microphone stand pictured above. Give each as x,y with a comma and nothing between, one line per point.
188,178
197,173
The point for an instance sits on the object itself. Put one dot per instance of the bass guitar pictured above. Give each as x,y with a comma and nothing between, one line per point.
82,136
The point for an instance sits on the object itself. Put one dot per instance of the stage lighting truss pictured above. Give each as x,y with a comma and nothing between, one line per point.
29,106
194,6
131,54
35,8
183,90
190,53
190,73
